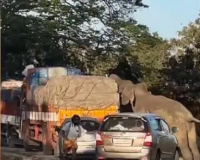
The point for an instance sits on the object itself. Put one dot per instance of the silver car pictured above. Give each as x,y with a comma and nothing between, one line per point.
136,136
87,142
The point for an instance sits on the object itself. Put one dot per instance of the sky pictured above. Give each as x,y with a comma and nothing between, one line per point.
167,17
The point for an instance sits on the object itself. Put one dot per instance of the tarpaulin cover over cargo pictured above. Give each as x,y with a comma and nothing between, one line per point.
75,91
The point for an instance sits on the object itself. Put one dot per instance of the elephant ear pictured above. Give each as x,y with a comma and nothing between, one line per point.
127,96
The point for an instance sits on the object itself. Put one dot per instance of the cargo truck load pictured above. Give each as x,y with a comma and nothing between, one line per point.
47,102
73,92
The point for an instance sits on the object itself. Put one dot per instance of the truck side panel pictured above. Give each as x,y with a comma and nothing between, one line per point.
58,115
99,114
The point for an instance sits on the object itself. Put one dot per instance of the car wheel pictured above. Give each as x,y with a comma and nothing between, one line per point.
158,156
176,155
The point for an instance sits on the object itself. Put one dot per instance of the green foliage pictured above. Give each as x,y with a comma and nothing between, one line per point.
181,72
150,50
63,32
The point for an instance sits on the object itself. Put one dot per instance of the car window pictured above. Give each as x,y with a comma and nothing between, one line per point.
88,125
155,124
123,124
165,126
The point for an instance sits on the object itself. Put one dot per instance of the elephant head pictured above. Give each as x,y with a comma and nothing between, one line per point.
128,90
125,89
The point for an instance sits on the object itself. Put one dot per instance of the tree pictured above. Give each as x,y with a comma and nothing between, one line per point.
181,75
63,32
146,54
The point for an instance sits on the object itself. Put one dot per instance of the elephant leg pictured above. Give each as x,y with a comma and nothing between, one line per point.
192,138
183,143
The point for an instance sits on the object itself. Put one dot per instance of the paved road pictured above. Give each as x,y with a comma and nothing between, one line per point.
19,154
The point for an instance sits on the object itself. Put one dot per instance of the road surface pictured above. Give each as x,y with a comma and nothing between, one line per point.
19,154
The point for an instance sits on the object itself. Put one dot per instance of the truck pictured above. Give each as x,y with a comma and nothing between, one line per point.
10,111
47,102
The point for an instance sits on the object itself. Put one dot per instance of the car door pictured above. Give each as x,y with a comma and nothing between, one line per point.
168,148
159,136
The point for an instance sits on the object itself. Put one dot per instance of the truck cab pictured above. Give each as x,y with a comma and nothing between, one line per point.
10,111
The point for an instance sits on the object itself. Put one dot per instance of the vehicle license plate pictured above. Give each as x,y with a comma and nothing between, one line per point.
122,141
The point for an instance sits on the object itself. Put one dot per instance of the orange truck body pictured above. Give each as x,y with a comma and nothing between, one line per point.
39,127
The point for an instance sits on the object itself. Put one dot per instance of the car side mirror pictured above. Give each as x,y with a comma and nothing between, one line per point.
174,129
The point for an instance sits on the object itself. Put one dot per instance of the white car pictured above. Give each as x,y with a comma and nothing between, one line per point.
87,142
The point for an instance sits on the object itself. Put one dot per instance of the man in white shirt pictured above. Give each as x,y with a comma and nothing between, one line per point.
69,134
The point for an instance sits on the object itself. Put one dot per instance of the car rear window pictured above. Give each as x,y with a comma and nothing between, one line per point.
90,125
123,124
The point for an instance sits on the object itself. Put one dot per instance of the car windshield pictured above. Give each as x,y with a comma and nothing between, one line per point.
9,94
123,124
90,125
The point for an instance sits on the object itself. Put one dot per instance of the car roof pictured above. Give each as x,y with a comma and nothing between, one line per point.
136,115
82,118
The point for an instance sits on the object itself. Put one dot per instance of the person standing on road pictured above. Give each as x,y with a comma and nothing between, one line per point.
68,136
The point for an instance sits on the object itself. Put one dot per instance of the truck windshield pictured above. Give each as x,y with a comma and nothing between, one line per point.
7,95
123,124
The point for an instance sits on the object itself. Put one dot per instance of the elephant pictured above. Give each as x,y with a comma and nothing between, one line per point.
198,125
125,89
198,131
174,113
